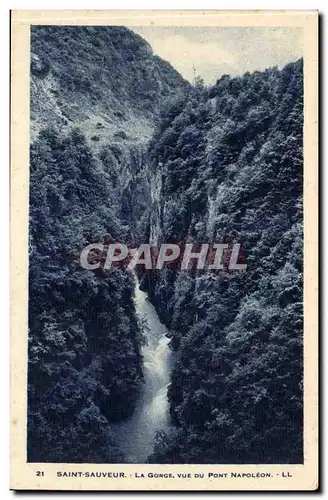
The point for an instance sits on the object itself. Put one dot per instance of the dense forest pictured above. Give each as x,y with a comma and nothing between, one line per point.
226,163
90,122
84,355
124,149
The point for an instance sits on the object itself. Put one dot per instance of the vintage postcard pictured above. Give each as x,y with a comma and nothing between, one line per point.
164,245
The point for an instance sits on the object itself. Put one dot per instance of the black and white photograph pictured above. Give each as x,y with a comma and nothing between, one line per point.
166,246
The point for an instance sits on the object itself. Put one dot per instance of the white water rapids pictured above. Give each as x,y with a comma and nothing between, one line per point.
135,437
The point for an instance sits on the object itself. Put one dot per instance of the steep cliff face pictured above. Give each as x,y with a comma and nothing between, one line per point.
226,166
103,79
156,158
95,92
106,82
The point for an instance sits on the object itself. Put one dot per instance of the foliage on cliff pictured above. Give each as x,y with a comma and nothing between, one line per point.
228,160
104,79
84,357
84,337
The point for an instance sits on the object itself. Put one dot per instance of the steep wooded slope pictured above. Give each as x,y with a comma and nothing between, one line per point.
94,94
227,167
103,79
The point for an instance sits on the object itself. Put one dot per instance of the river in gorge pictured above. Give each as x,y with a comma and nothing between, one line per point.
135,437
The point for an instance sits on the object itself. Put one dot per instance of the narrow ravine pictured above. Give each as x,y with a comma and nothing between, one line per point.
135,437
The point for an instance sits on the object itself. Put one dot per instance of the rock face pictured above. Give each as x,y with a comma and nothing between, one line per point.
226,167
156,159
104,80
95,94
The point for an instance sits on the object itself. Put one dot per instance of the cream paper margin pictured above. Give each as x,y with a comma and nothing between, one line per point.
23,474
